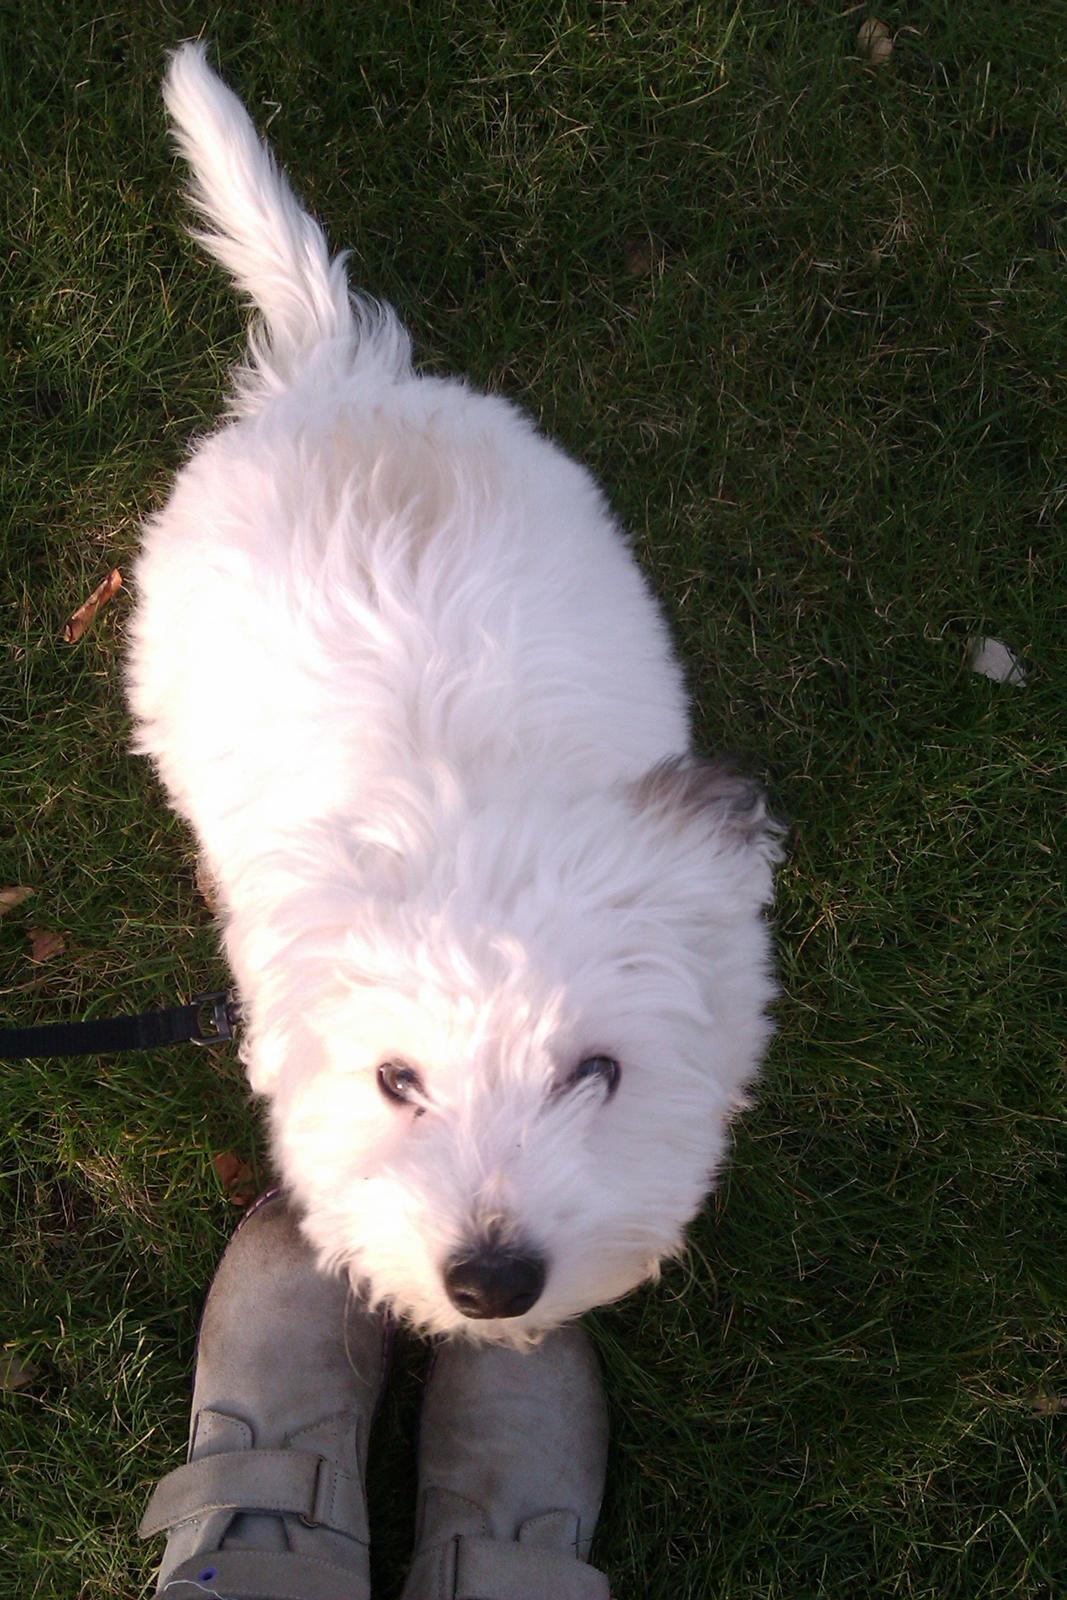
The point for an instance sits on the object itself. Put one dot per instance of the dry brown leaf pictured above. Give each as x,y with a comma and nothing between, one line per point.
640,258
85,615
13,896
874,41
207,884
44,944
236,1177
14,1372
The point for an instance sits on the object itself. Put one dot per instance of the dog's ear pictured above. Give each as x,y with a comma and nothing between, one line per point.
715,795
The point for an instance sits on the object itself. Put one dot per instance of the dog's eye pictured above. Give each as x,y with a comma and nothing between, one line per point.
398,1081
606,1068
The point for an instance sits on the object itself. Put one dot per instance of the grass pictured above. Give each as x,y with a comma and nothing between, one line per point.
806,320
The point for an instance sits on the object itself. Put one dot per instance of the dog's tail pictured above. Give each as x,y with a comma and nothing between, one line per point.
258,230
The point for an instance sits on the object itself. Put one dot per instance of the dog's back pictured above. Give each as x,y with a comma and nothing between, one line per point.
367,571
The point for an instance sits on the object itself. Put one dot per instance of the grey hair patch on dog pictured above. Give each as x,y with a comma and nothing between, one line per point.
689,787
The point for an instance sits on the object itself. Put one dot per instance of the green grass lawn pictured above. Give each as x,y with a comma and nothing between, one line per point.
806,321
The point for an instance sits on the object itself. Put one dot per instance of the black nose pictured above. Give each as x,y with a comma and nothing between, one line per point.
494,1283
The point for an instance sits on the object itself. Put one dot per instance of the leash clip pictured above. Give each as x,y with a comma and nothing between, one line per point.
217,1015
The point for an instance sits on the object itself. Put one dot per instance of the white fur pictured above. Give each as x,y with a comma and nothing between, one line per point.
397,667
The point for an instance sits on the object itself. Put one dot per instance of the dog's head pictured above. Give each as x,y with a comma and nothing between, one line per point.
502,1043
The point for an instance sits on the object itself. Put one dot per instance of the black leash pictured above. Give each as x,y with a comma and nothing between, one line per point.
209,1019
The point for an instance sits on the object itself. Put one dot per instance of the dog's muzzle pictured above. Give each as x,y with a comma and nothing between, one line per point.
494,1282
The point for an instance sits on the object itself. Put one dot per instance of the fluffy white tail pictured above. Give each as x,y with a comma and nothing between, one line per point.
258,230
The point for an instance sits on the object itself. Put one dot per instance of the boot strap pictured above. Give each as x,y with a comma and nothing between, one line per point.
488,1569
278,1482
261,1575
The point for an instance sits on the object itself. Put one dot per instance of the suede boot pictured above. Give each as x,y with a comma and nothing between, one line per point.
512,1462
289,1368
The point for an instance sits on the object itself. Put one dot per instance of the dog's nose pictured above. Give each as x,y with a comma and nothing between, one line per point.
494,1283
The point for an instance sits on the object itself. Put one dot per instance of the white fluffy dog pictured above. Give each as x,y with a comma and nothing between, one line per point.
498,932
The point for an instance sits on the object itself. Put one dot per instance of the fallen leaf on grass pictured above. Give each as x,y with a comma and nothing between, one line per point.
994,660
874,41
207,885
44,944
13,896
14,1372
640,258
235,1176
85,615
